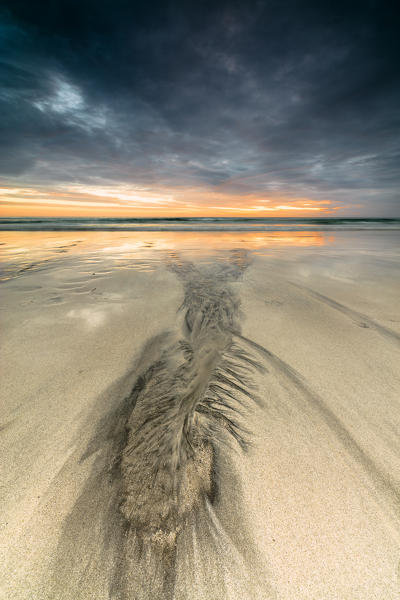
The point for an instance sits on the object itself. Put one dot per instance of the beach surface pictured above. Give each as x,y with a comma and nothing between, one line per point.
298,499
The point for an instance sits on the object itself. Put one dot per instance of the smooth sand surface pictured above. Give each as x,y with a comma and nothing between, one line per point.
310,511
326,471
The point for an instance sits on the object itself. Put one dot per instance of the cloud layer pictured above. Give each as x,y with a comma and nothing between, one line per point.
229,104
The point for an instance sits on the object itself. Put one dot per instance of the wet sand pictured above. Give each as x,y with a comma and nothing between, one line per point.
284,361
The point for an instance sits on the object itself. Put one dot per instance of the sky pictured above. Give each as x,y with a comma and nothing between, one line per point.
266,108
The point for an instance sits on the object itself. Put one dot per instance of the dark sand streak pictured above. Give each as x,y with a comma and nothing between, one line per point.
359,318
5,426
157,473
380,479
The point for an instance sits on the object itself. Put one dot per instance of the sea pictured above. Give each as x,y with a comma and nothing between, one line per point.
196,224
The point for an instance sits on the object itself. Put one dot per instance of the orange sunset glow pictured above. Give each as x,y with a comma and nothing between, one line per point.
131,201
28,248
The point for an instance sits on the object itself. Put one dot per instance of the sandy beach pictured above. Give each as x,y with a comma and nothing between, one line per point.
274,359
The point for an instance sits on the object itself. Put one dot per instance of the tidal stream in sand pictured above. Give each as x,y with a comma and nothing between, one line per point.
203,415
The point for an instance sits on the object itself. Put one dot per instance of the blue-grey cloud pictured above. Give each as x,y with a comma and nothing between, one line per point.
258,97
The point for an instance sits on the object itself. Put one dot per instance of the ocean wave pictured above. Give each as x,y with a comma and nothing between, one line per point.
195,224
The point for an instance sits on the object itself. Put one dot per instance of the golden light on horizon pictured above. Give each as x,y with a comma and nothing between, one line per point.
124,200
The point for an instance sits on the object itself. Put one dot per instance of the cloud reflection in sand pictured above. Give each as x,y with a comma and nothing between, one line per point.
21,251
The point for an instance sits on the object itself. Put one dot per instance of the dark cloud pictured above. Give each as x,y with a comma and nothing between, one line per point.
291,96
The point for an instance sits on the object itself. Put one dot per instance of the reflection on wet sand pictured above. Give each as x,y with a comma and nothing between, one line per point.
24,251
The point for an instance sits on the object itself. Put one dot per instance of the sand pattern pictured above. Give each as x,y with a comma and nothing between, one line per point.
155,485
201,424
